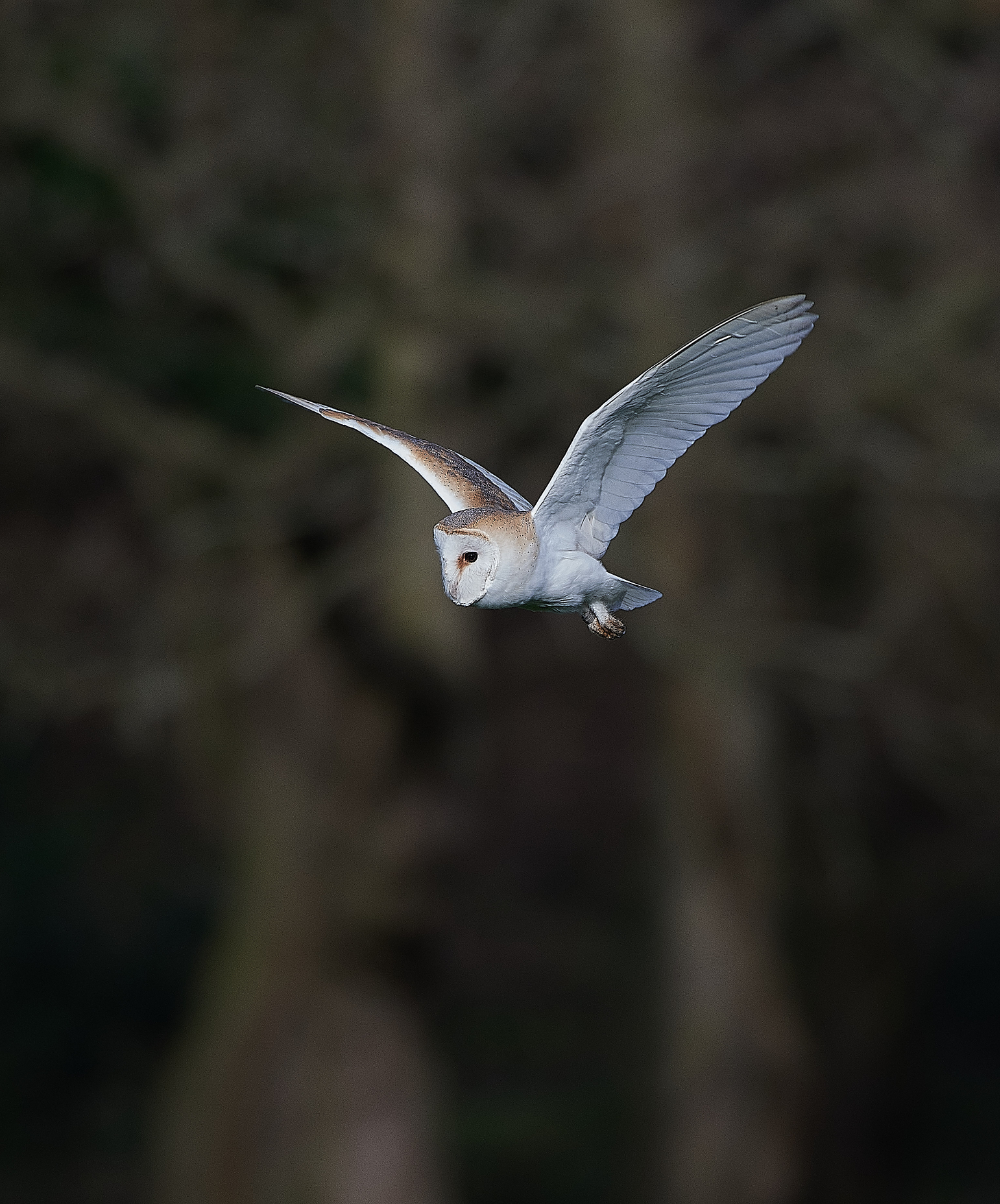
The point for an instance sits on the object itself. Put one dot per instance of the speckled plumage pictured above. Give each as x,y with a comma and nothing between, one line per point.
497,550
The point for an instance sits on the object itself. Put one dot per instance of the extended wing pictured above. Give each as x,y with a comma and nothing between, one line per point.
626,446
462,483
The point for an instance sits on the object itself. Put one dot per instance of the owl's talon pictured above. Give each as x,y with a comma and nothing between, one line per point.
605,625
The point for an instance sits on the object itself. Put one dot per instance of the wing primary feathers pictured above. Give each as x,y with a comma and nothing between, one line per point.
463,484
627,445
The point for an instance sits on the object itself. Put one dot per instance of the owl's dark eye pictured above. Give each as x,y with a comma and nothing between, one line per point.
471,557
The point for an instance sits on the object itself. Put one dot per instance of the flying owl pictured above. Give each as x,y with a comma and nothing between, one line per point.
497,550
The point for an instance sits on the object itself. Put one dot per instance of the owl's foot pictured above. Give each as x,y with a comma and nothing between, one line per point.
602,622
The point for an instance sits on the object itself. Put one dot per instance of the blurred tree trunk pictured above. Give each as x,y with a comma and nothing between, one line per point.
299,1078
734,1053
417,265
303,1078
736,1057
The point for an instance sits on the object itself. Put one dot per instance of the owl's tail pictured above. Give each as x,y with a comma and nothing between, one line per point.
636,595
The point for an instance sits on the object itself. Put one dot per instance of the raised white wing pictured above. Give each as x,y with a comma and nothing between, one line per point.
625,447
452,476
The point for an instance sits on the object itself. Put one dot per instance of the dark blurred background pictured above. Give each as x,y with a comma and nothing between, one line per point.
316,888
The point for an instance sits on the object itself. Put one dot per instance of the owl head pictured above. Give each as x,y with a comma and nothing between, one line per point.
487,556
469,560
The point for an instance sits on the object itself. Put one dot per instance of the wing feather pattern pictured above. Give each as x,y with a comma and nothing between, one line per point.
462,483
624,448
519,502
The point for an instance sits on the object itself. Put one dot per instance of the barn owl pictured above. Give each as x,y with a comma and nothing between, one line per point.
497,550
